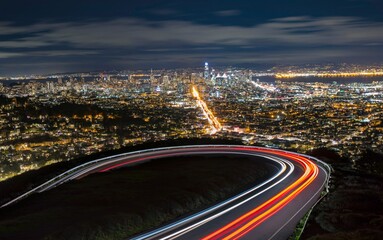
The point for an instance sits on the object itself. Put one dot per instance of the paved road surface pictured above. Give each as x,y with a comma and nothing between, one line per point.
269,210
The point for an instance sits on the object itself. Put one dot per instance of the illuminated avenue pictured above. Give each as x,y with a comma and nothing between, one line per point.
215,124
268,210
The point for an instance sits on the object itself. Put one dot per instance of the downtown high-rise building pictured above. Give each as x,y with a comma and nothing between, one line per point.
206,72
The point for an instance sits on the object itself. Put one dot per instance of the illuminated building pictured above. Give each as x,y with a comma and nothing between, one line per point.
206,72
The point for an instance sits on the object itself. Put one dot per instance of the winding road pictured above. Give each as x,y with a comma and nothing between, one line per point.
269,210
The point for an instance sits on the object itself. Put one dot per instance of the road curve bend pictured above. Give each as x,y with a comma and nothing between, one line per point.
269,210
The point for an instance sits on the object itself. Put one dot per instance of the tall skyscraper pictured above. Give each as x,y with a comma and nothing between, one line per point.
206,72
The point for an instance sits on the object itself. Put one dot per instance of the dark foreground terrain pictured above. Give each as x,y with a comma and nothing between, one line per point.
126,201
14,187
354,207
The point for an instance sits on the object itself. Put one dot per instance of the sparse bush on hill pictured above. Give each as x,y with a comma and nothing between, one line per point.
353,208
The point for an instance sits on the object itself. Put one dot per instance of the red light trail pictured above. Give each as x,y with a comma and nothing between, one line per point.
250,220
253,218
249,213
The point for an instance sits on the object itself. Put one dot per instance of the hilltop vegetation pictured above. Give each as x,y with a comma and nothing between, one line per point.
354,207
127,201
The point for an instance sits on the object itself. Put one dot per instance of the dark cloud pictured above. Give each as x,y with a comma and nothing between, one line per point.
163,12
132,33
228,13
126,34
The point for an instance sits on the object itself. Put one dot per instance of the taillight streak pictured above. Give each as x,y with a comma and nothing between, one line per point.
253,218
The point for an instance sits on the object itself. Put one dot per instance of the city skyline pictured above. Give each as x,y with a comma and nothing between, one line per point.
168,119
303,109
39,38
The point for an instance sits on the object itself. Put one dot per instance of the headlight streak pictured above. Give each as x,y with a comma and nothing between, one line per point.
317,192
244,224
239,226
191,218
253,218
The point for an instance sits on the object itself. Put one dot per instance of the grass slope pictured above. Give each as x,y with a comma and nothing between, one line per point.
20,184
126,201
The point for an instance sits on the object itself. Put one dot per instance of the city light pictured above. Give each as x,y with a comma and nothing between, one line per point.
329,74
215,124
71,115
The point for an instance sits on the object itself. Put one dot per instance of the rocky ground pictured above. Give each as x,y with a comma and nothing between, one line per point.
354,207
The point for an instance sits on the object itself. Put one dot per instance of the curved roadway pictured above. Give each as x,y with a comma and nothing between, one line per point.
269,210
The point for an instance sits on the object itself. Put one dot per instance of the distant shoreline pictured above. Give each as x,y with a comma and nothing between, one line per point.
269,79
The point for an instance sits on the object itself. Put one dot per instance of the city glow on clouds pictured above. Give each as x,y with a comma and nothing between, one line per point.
127,32
8,55
278,40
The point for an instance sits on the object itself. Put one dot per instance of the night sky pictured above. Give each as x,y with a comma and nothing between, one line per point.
83,35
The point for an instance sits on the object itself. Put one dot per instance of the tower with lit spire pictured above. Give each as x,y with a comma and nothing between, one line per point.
206,72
